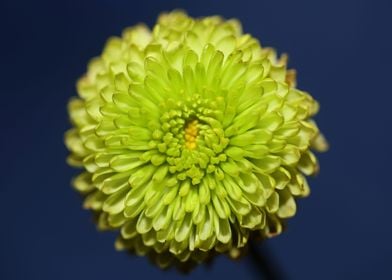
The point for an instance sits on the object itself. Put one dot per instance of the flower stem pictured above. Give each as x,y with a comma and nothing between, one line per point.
263,263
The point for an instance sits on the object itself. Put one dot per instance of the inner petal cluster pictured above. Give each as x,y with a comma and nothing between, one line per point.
191,140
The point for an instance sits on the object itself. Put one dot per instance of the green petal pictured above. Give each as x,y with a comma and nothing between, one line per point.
205,229
94,200
115,203
287,207
83,183
144,224
129,231
183,231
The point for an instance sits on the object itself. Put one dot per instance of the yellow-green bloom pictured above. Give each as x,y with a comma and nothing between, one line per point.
192,139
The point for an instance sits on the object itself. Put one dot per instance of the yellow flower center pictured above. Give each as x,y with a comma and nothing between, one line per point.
191,132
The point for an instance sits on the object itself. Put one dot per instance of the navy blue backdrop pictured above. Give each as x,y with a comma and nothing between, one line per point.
342,51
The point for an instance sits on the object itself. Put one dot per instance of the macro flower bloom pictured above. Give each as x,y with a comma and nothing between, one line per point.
192,139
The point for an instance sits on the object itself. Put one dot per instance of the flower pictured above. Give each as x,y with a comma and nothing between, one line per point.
192,139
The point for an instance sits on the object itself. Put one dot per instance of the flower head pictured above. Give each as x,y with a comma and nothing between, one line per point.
192,138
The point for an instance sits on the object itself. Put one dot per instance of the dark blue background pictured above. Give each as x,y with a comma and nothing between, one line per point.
342,51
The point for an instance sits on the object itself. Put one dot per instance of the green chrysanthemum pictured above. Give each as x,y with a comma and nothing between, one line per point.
192,137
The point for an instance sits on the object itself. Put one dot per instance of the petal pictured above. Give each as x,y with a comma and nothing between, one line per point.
144,224
287,207
129,231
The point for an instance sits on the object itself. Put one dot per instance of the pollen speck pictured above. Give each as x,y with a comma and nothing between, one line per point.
191,132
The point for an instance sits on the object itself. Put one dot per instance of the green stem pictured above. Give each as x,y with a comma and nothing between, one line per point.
263,263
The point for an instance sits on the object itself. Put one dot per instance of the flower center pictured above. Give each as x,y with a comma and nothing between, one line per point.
191,139
191,133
